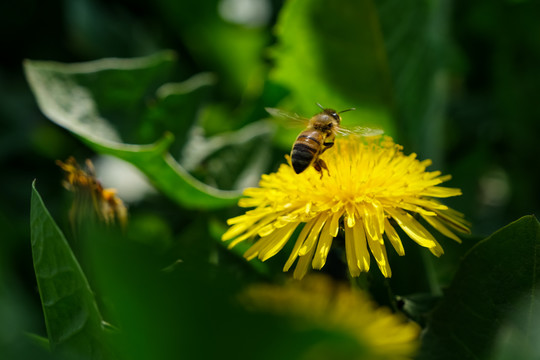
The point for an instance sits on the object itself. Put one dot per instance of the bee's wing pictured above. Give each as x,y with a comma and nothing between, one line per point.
360,130
286,119
281,114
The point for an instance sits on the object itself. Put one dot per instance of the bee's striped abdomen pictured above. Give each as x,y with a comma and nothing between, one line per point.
305,150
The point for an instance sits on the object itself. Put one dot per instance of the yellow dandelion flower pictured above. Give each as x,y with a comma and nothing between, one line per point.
319,302
83,182
371,186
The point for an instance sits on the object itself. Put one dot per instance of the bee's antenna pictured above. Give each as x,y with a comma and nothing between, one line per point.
342,111
322,107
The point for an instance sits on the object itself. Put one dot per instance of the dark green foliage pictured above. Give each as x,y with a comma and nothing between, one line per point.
496,277
74,324
456,82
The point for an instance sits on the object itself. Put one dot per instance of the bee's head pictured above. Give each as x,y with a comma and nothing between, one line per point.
326,121
332,115
329,115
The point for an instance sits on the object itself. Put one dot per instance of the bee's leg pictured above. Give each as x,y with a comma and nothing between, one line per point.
319,165
327,145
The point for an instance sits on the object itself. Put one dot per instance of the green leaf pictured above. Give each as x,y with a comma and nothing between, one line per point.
418,306
517,337
232,160
417,45
169,176
332,52
224,45
72,318
105,101
40,341
495,275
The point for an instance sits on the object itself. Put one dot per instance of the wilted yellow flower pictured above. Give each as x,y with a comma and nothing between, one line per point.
371,185
85,185
318,302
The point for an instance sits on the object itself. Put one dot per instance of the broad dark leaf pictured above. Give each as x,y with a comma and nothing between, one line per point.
72,318
494,278
85,98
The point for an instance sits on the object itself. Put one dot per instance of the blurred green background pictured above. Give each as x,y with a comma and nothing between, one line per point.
454,81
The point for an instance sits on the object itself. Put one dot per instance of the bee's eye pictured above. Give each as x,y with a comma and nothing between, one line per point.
335,116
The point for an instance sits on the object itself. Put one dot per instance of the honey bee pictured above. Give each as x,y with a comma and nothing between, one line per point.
318,137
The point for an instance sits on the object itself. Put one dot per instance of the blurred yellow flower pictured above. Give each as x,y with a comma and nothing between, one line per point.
370,186
83,182
318,302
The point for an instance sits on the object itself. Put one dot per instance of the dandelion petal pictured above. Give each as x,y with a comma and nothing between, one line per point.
279,240
379,253
352,260
325,241
303,264
415,230
360,246
313,235
334,223
393,237
299,242
431,220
